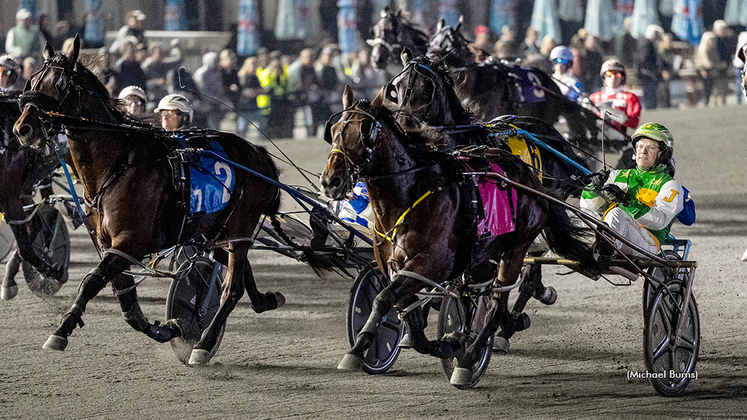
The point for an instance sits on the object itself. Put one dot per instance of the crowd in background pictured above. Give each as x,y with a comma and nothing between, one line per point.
270,88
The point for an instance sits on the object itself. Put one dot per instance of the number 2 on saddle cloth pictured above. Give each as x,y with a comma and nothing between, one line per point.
498,201
211,182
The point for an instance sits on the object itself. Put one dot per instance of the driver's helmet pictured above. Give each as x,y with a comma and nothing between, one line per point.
613,65
135,91
177,102
560,54
12,65
658,133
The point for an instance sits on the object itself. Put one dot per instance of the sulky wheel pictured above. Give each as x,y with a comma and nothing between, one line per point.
385,348
649,289
52,244
668,353
195,298
460,315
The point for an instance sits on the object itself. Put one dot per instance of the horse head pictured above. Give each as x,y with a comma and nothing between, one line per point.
392,33
353,138
62,85
450,43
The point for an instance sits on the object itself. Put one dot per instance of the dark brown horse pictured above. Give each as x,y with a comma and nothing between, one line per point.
130,175
436,240
392,33
23,170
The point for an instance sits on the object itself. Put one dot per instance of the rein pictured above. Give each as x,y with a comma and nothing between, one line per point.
400,220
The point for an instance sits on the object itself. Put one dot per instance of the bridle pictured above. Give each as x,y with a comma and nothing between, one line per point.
367,137
414,67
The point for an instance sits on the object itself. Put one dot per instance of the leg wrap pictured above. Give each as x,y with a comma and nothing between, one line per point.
134,316
91,285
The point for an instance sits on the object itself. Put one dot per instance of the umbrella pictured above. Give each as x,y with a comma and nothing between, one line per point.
736,12
571,10
247,42
176,19
95,33
346,29
504,13
292,21
687,20
644,14
599,20
545,19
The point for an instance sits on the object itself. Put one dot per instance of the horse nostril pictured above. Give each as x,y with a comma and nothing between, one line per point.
23,130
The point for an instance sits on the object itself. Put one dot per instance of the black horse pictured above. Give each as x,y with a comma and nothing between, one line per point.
134,179
392,33
423,93
24,171
499,88
436,240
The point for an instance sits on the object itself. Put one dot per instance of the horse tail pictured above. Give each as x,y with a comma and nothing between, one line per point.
567,239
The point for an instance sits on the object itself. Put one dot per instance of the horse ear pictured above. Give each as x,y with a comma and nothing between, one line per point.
740,53
72,54
379,99
440,25
405,56
459,25
347,97
48,51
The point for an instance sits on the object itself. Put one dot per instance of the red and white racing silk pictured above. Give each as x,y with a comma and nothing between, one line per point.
626,103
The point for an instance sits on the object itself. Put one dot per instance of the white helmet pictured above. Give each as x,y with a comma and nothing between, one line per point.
135,91
177,102
561,52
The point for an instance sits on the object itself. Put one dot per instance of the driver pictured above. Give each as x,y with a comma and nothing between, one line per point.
621,109
175,112
562,64
134,99
641,203
9,71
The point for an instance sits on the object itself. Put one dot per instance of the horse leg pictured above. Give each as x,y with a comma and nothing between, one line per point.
133,314
509,271
9,289
91,285
416,324
239,271
260,301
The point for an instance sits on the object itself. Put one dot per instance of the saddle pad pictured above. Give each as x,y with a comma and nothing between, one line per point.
527,152
528,85
211,182
499,208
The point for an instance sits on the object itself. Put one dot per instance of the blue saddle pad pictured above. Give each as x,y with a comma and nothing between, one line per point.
211,182
529,85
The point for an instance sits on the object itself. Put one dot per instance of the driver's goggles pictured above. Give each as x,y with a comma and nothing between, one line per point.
560,61
610,73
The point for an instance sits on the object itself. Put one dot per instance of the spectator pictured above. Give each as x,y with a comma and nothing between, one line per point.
649,66
620,109
252,103
108,75
594,59
280,118
482,38
625,45
62,32
132,28
529,47
328,85
562,59
23,40
209,79
30,66
156,68
712,69
134,100
44,28
303,87
9,75
230,76
578,49
128,69
366,80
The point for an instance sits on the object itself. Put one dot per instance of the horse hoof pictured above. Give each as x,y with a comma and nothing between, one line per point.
280,299
405,342
55,342
351,363
199,357
501,344
550,296
461,377
8,293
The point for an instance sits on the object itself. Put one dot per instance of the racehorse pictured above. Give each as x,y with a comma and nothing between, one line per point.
392,33
423,223
23,170
497,88
130,177
424,92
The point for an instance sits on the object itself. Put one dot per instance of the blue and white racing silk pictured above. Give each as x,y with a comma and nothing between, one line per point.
211,182
358,209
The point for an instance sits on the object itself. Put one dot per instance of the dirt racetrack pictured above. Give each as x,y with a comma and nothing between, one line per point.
572,362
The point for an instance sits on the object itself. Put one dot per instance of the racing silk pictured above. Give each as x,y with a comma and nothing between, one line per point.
653,198
569,85
358,209
625,106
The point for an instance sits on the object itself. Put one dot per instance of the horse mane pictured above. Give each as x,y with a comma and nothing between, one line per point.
415,135
420,34
463,113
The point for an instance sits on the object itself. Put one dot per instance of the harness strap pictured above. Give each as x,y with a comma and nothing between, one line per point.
425,280
401,219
